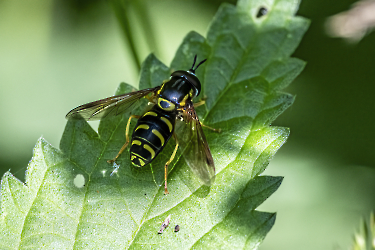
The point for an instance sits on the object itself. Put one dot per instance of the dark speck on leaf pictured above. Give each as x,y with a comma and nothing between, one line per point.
262,12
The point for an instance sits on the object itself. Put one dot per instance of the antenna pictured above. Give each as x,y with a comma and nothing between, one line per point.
192,67
195,59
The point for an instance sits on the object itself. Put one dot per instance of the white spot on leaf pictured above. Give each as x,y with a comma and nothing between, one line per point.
79,181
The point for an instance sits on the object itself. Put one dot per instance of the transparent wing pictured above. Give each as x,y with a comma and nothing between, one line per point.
110,106
194,146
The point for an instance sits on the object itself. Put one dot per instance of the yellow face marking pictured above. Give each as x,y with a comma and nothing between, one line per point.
149,149
165,104
155,132
143,126
151,113
136,142
168,123
182,103
191,93
133,157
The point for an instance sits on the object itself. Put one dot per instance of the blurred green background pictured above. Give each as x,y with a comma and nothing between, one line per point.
56,55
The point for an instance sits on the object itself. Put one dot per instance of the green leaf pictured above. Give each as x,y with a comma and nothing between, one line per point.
364,238
71,200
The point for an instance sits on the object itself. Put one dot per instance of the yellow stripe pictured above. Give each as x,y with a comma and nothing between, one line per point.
155,132
142,162
182,103
144,126
171,105
167,122
136,142
151,113
148,148
138,156
162,86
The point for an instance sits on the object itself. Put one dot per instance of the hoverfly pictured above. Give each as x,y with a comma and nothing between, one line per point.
172,114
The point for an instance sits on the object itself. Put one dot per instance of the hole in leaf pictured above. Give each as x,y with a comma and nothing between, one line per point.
79,181
261,12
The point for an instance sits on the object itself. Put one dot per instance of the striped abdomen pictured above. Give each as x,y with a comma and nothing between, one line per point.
150,135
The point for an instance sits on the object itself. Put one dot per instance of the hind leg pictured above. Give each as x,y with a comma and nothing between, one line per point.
127,139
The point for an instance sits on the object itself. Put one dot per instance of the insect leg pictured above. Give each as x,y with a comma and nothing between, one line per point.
166,167
151,98
127,139
201,102
218,130
197,104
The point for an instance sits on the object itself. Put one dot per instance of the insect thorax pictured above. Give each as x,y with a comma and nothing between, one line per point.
174,93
